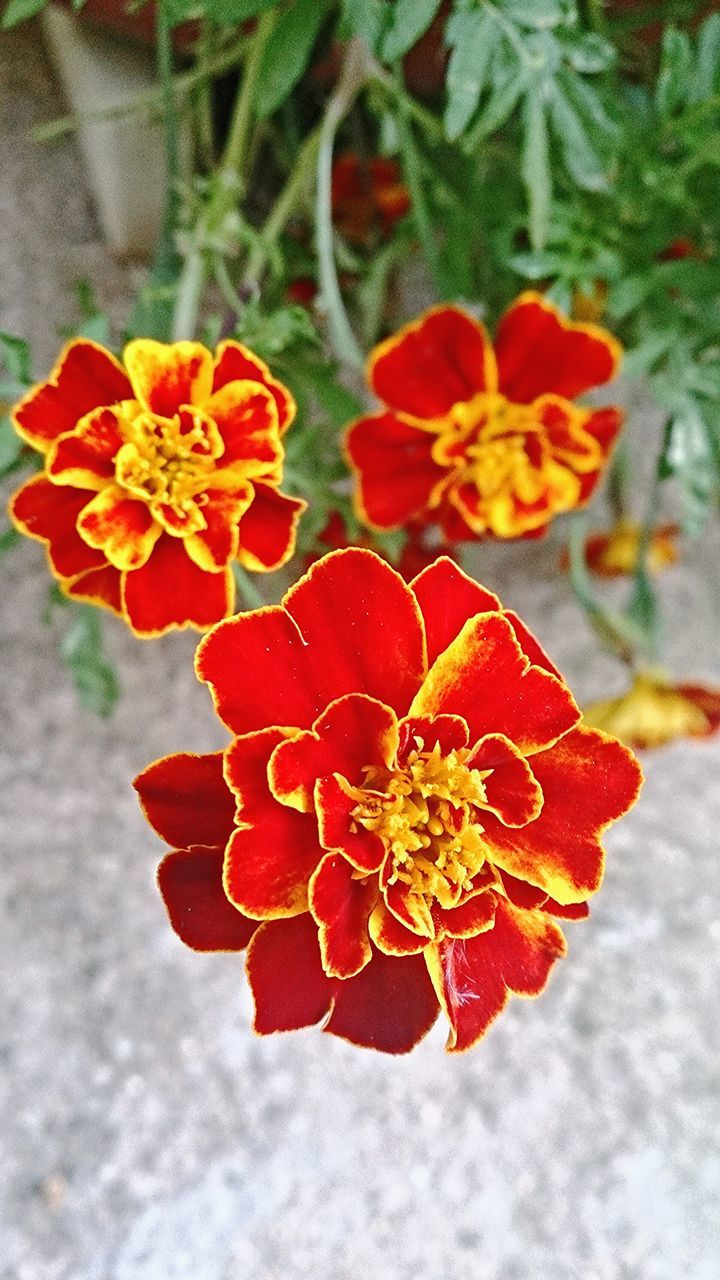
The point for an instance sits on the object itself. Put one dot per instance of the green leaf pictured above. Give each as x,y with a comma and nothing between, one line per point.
369,19
18,10
535,166
231,11
705,83
588,52
676,67
410,20
93,675
581,159
504,97
11,446
15,356
536,266
688,455
8,538
474,38
644,612
540,14
287,53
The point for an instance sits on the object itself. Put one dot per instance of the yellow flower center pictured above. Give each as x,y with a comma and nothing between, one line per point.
427,816
502,448
167,462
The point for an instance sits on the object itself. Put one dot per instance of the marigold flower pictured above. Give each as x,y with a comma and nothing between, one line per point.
158,473
408,804
367,196
615,553
655,711
484,441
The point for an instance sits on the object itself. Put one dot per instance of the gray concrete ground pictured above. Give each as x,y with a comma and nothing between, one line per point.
148,1135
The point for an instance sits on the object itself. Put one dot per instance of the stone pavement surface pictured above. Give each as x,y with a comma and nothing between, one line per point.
149,1136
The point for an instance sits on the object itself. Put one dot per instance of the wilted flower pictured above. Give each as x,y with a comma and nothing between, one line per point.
484,441
408,803
367,196
158,473
655,711
615,553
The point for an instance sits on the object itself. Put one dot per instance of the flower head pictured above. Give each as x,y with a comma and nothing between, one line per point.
158,473
481,440
654,711
408,804
367,196
615,553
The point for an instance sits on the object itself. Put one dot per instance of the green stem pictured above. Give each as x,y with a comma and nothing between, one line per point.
227,186
615,632
395,89
419,206
170,119
619,481
149,100
246,587
282,209
353,76
234,156
204,114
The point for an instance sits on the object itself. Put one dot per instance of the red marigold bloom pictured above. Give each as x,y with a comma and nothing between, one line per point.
481,440
408,804
655,711
367,195
614,553
158,473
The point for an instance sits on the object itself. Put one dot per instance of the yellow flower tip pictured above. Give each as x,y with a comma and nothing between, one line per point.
614,553
652,713
589,306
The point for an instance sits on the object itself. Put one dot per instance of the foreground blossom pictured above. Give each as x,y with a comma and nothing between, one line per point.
367,196
158,473
481,440
654,711
408,805
615,553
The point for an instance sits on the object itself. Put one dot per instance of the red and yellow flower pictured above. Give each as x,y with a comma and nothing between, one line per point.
408,805
615,553
484,441
367,196
655,711
158,473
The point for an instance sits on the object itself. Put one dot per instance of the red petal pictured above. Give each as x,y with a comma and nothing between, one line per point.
85,376
447,598
49,513
474,916
216,545
397,478
289,985
605,426
246,772
513,794
352,733
190,881
233,362
341,905
99,586
390,1006
539,351
529,645
449,732
337,829
171,591
588,780
443,358
474,975
246,416
351,625
568,910
186,800
86,457
122,528
522,894
485,677
167,375
390,936
268,529
268,866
